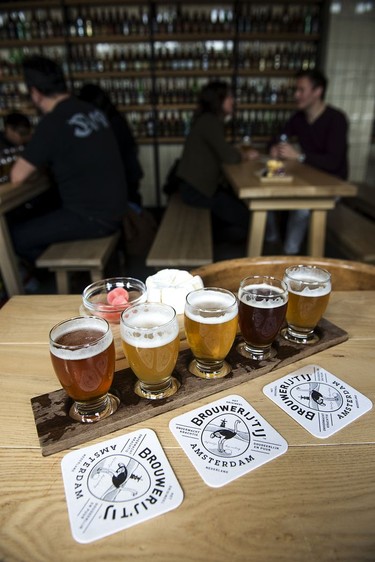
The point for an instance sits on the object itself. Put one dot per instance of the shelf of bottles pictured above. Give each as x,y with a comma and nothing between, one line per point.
153,58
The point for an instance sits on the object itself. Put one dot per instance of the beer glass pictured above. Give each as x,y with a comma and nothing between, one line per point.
83,357
309,289
150,339
210,318
262,306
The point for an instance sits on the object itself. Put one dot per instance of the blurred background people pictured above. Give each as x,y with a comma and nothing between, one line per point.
321,132
202,182
75,142
17,131
15,136
124,136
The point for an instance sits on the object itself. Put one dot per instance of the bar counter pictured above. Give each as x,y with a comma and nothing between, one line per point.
316,502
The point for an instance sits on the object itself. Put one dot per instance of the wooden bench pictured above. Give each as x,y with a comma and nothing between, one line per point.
364,202
78,255
184,237
352,232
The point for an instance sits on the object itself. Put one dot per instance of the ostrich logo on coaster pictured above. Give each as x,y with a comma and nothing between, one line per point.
318,400
116,484
226,439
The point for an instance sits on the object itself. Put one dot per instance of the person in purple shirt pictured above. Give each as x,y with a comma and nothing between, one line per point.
321,132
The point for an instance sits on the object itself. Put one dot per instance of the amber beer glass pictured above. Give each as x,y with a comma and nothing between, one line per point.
211,317
83,357
262,306
309,290
150,339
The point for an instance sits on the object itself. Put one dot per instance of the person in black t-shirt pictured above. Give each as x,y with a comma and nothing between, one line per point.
75,142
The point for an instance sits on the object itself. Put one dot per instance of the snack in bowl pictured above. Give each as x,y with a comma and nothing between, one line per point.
170,286
275,168
109,297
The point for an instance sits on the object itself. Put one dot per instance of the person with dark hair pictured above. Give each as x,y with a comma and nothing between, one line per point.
17,131
124,136
202,182
321,132
75,142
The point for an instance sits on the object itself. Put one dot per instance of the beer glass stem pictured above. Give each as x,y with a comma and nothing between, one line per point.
210,369
158,390
256,353
91,411
300,336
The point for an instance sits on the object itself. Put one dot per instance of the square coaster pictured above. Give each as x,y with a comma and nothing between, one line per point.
118,483
226,439
318,400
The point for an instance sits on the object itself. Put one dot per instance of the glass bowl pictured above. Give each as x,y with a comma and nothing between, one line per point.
107,298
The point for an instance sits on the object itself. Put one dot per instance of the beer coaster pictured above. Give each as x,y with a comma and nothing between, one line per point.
226,439
117,484
318,400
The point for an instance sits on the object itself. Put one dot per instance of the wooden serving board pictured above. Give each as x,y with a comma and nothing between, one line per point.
57,431
276,179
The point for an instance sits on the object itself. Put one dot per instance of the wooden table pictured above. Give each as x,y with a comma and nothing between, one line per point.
316,502
11,196
309,189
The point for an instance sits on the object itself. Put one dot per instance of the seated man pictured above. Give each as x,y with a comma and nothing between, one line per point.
75,142
17,131
321,132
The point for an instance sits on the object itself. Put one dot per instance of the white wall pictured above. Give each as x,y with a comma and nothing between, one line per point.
167,155
350,67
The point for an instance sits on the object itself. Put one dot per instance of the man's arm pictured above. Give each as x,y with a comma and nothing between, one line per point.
21,170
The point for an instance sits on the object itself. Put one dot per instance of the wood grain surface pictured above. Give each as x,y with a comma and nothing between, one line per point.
315,503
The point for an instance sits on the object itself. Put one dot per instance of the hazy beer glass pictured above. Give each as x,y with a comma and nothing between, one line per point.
262,307
211,317
150,339
309,289
83,357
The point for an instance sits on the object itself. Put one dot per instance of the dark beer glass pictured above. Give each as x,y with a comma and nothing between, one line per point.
83,357
261,313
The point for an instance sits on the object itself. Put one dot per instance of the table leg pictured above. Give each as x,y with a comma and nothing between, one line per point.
8,262
256,233
317,233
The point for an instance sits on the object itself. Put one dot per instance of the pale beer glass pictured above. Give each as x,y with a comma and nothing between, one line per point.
309,290
83,357
150,339
211,318
262,307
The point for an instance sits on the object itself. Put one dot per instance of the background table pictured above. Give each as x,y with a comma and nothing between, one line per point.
11,196
309,189
316,502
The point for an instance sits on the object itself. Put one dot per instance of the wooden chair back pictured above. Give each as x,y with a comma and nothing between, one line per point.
346,275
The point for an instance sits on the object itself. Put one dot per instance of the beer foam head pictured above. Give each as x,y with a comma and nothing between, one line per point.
149,325
83,350
262,295
308,281
210,306
309,290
